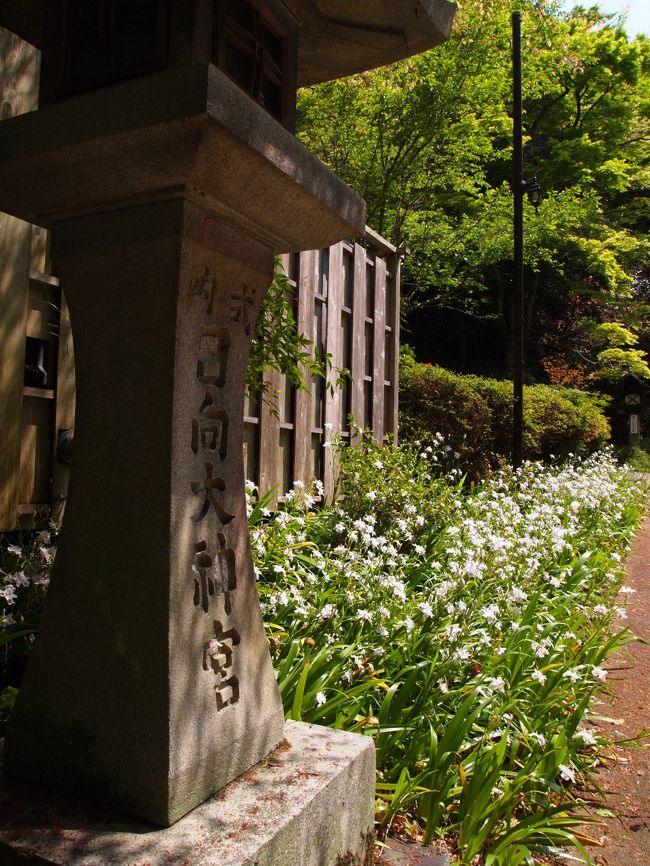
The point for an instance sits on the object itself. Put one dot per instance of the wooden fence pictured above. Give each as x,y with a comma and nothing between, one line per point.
347,303
36,364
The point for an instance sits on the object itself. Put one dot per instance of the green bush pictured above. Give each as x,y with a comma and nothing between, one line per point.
464,628
474,415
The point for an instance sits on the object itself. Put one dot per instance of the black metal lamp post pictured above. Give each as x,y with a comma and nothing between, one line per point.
533,190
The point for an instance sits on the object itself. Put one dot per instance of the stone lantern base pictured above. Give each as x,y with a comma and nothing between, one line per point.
309,804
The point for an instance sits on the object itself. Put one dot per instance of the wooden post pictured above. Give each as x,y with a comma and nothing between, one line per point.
379,346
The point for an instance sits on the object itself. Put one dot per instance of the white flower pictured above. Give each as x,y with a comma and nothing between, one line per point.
340,527
419,549
378,464
461,654
46,552
627,590
8,593
321,698
427,610
364,615
567,773
539,677
382,631
599,674
328,612
497,684
442,685
517,594
540,738
371,495
600,609
20,579
13,548
572,675
587,738
490,613
409,625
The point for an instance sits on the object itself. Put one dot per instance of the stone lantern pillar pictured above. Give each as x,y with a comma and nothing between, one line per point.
162,160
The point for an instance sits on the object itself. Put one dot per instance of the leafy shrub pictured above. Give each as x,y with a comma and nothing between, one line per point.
474,415
25,559
463,628
637,457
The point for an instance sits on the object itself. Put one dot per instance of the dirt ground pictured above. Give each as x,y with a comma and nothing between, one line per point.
625,779
623,836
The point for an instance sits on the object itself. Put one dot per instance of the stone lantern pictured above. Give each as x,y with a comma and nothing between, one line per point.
632,393
163,161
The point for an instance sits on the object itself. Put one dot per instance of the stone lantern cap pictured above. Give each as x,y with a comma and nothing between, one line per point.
337,37
188,132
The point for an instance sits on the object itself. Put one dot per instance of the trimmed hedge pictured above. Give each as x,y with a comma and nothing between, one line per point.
475,416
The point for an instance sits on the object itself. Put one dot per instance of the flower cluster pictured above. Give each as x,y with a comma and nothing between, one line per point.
24,576
394,607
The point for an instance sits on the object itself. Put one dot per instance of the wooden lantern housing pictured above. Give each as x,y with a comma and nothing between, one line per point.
93,45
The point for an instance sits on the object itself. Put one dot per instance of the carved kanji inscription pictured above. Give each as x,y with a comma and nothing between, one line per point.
218,658
240,308
214,350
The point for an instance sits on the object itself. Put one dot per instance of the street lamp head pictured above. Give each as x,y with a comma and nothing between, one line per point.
534,192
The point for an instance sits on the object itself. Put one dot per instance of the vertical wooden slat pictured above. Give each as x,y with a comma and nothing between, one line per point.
395,325
302,423
358,335
40,250
35,451
19,63
334,349
15,243
65,406
269,434
379,343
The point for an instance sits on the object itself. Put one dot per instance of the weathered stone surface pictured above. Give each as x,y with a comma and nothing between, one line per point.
338,38
180,132
309,804
151,682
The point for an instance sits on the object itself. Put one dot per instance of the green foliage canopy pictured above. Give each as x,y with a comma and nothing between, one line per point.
428,143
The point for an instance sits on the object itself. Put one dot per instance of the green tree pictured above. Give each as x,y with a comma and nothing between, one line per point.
427,143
